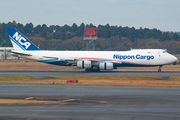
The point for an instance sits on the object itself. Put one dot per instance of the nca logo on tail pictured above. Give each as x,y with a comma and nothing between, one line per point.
21,40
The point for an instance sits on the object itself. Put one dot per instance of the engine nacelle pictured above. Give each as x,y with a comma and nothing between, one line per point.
84,64
106,66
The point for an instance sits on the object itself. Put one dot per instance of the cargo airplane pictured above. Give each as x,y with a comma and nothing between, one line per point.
89,60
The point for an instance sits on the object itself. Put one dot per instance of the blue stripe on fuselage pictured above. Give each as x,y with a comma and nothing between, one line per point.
49,60
56,62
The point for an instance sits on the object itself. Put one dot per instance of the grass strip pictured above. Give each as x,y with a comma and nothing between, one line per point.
136,81
17,101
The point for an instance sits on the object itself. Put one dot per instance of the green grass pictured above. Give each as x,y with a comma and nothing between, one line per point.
145,81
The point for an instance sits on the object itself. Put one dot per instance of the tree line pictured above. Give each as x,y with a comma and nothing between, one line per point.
71,36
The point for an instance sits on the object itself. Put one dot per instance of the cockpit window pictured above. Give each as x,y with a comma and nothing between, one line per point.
164,51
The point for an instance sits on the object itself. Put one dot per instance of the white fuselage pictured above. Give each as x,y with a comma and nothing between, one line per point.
144,57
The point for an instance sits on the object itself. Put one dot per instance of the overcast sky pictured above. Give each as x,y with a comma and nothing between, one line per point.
160,14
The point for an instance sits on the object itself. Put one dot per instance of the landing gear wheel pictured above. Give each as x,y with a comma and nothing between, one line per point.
88,70
92,70
159,70
96,70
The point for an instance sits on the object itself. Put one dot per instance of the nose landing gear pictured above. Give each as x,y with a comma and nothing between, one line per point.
159,70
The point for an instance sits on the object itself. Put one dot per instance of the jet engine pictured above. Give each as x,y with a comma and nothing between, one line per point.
106,66
84,64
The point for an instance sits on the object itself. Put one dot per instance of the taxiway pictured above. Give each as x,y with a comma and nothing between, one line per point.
91,102
39,73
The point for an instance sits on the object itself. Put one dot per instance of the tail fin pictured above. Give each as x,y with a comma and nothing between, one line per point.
19,41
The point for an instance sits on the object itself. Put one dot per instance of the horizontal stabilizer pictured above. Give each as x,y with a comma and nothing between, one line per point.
23,54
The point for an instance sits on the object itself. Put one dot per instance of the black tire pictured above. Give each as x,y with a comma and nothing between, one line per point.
92,70
159,70
88,70
98,70
95,70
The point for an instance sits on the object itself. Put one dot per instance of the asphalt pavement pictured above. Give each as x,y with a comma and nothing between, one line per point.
39,73
91,102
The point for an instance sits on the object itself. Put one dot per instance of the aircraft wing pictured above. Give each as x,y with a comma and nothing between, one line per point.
74,60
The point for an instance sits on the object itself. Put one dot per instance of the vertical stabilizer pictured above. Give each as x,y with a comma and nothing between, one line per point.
19,41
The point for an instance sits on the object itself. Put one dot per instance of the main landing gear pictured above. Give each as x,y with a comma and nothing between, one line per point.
92,70
159,70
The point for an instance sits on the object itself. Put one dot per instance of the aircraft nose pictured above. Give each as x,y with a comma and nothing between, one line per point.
171,59
174,59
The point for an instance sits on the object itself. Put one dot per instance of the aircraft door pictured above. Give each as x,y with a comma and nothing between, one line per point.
159,53
161,57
